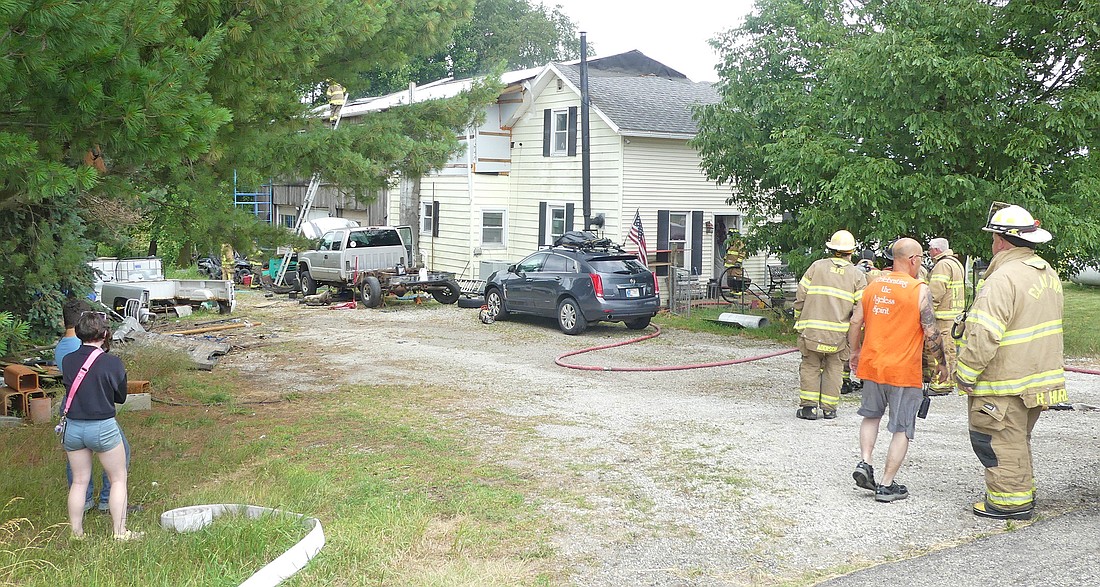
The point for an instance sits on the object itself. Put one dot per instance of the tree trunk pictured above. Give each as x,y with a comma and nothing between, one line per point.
409,214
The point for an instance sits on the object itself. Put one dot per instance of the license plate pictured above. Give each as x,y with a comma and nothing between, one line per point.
633,292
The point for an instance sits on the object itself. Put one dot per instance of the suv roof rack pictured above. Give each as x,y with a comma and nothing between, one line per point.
587,241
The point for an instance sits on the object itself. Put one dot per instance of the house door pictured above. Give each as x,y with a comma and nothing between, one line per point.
722,226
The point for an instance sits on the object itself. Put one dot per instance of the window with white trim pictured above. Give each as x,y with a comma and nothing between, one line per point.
560,133
427,217
555,222
678,228
493,227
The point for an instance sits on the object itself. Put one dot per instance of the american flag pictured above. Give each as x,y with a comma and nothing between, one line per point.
637,236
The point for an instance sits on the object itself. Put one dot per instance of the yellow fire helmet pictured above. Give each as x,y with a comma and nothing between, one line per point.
1015,221
842,240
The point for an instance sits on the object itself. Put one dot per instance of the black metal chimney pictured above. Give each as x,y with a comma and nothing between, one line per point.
586,155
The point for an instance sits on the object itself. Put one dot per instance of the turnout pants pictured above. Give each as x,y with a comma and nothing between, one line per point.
819,376
1000,433
949,353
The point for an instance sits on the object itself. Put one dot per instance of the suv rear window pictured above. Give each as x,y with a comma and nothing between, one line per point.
374,238
624,264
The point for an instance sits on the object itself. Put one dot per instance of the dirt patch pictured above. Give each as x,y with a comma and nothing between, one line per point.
699,477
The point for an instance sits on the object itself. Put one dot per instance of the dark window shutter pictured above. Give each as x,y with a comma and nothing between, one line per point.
547,127
572,131
569,208
662,242
542,223
435,218
697,242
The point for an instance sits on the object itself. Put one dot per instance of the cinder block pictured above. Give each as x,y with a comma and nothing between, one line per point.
136,401
20,378
10,422
139,386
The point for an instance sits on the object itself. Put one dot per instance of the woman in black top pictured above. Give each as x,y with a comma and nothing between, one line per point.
92,427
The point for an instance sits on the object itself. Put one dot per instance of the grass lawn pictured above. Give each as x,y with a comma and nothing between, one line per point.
1082,315
402,499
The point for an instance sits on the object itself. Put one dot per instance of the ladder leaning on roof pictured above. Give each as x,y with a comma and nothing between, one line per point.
337,100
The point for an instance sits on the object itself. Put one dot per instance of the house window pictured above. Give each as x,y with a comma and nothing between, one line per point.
427,217
288,220
493,228
555,222
678,236
560,145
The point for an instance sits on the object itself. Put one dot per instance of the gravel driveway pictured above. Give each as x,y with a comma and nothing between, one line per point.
696,477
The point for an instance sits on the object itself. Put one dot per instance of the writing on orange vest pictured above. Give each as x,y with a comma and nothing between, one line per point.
893,338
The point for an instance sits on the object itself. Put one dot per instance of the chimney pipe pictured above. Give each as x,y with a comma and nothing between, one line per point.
586,155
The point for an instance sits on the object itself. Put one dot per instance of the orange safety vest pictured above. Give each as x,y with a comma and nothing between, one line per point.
893,338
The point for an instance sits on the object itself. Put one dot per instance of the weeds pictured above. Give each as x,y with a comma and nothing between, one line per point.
22,559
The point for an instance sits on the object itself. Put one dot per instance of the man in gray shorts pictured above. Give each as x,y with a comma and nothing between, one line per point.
892,327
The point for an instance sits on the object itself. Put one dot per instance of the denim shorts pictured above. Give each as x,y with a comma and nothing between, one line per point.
97,435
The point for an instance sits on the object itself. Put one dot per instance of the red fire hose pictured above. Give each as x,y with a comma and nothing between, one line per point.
558,361
1080,370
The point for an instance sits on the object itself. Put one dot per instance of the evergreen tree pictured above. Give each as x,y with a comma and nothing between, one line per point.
126,117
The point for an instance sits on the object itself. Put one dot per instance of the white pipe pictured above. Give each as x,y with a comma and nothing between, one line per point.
197,517
745,320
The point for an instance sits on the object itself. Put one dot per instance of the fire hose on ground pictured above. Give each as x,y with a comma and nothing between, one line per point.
560,360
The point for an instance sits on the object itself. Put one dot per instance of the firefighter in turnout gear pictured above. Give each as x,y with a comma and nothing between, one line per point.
1011,363
827,295
948,299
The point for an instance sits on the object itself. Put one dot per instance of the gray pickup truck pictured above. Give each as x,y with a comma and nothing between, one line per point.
374,261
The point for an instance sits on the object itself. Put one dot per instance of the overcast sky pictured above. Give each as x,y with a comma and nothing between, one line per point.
672,32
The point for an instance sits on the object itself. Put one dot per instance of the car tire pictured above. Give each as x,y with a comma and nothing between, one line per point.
238,277
570,319
495,302
637,323
309,286
449,294
471,303
371,292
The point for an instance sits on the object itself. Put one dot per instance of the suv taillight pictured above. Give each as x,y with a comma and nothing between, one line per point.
656,287
597,284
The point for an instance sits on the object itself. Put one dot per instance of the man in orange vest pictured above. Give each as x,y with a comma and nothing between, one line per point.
892,326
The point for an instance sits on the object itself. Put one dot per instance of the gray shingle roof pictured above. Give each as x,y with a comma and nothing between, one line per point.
644,102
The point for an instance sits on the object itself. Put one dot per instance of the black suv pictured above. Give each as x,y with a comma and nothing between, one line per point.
581,280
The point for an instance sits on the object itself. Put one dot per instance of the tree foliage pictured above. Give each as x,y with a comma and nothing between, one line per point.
514,33
909,118
127,118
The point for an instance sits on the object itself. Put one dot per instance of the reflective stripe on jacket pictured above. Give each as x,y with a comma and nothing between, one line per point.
1014,331
827,295
946,284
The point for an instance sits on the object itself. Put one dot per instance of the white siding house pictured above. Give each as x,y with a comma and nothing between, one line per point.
518,184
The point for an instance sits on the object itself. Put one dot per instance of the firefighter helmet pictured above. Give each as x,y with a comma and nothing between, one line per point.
842,240
1015,221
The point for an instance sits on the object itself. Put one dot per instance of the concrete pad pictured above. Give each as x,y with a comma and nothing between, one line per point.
136,402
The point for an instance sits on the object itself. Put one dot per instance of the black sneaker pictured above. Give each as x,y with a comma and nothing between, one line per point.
865,476
846,388
828,414
984,510
892,493
806,413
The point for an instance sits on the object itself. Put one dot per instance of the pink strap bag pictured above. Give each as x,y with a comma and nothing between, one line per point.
60,428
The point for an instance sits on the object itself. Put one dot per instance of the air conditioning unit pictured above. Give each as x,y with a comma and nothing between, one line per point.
488,266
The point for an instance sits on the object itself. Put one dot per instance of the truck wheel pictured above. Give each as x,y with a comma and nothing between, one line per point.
495,303
371,292
570,319
309,286
637,323
449,294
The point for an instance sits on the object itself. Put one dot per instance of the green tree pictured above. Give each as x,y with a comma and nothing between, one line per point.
909,117
126,118
513,32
